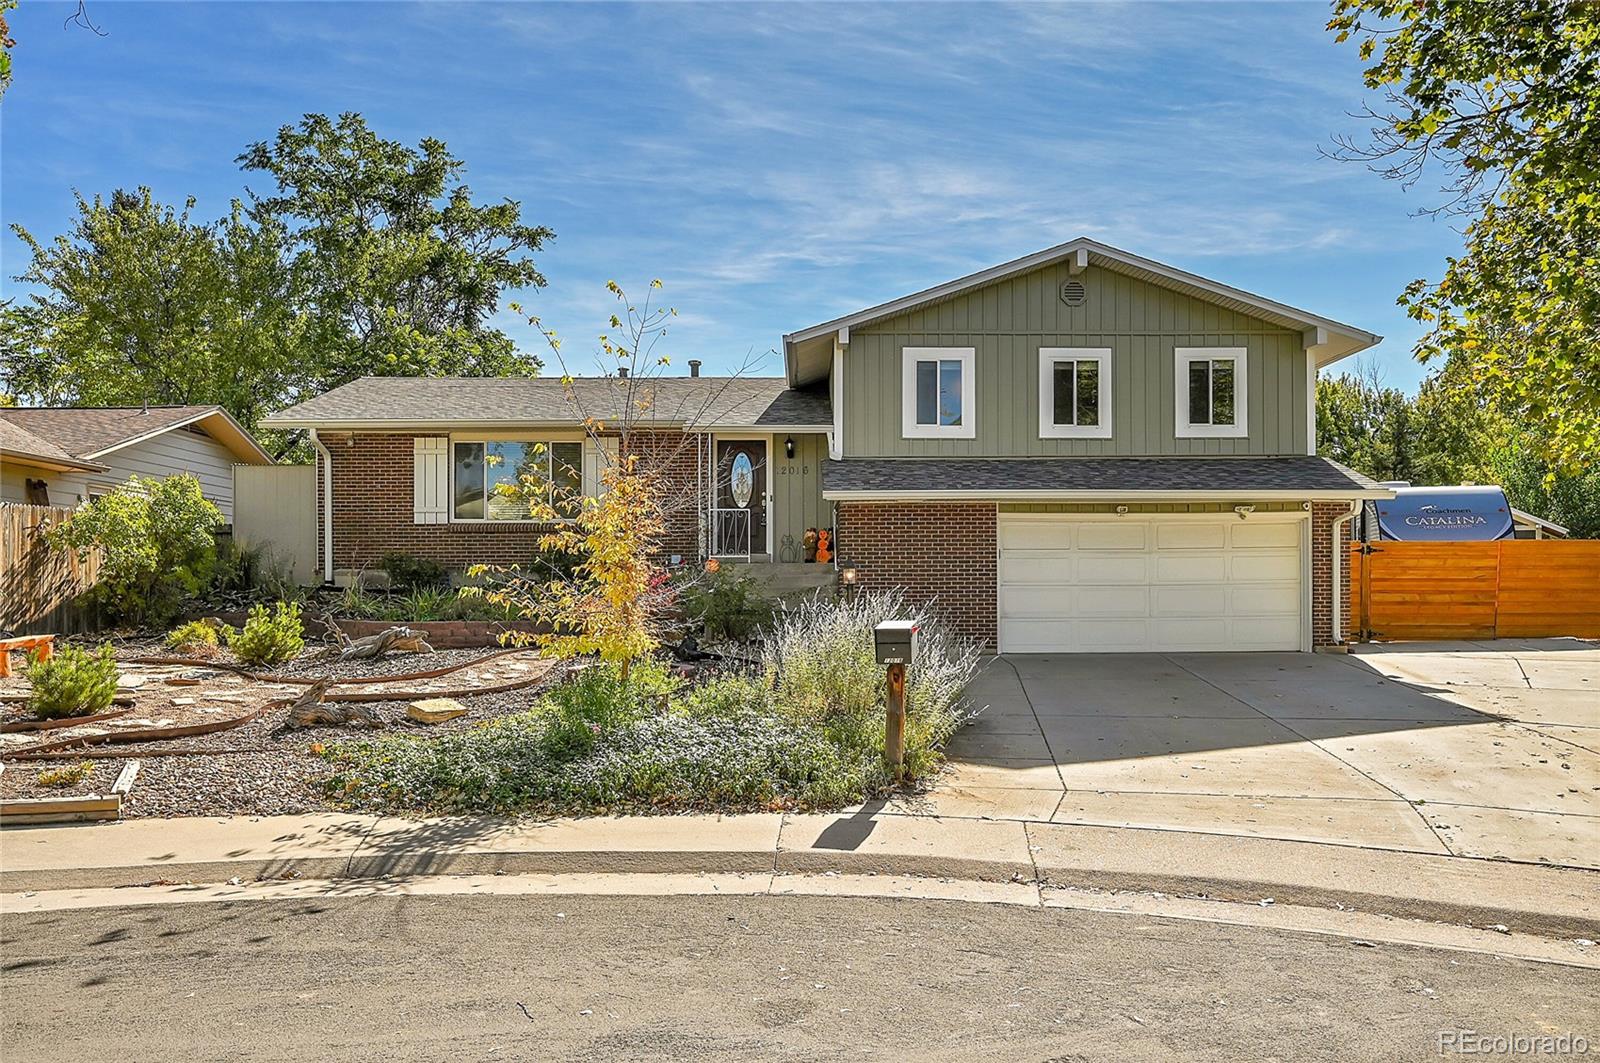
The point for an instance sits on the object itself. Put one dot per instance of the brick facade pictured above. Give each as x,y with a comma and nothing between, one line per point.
1323,514
373,510
676,457
942,552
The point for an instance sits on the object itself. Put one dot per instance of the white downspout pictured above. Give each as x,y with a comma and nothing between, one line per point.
327,507
1339,599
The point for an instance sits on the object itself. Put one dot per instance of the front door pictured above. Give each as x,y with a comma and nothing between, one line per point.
739,524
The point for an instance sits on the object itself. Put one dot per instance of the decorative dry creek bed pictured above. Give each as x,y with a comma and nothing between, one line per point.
213,739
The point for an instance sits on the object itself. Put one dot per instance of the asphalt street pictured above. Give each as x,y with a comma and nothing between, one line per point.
738,978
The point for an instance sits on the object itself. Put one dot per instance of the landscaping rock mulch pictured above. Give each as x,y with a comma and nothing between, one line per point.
21,781
317,663
259,768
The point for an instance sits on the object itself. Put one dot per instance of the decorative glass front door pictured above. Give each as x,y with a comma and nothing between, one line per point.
739,512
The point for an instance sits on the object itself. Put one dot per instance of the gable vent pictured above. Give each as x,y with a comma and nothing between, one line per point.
1073,293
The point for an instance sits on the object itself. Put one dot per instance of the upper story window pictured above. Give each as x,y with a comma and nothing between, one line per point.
481,467
1210,391
937,393
1074,393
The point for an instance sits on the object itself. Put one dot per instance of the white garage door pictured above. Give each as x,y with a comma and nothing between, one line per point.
1186,582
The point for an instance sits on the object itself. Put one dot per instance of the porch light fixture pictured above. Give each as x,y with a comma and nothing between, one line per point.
848,576
788,447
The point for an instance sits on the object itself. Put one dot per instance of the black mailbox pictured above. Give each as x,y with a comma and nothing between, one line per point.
896,641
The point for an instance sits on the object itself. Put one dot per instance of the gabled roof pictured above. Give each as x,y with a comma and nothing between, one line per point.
1297,477
1331,339
504,402
21,446
91,432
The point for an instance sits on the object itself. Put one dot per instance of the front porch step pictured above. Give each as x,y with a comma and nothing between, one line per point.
786,577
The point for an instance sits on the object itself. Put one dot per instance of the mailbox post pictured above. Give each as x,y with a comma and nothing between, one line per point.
896,644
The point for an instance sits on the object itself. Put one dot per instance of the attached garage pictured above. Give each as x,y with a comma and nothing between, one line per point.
1152,583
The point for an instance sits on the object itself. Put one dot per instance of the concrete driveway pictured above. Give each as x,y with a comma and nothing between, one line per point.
1471,749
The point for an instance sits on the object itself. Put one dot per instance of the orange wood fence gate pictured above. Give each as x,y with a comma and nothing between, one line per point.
1513,588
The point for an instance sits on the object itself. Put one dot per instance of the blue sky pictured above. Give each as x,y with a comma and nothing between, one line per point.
774,165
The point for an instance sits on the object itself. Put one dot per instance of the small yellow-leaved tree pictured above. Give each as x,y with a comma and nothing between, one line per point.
612,598
611,601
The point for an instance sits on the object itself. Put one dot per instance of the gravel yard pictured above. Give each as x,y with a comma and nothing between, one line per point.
261,768
22,780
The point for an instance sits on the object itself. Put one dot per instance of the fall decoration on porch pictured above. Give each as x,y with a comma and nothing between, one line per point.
809,544
824,546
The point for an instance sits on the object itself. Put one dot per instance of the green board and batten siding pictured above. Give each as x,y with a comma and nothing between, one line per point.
1006,324
797,502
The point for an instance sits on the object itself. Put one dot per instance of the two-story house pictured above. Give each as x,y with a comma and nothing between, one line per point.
1077,450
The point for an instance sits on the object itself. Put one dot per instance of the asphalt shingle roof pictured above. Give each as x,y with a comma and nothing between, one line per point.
744,401
21,443
1242,475
89,430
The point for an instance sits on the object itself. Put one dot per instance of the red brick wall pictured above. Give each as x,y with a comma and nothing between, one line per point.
1323,514
676,457
942,552
372,506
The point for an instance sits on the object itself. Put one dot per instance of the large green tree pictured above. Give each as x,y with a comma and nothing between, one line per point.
401,271
1446,435
1500,99
369,258
138,303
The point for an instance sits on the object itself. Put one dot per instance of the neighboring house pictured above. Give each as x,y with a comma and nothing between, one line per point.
1078,450
62,456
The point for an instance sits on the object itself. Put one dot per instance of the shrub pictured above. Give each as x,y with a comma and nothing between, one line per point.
66,775
824,669
408,572
803,731
744,761
598,744
157,545
419,606
726,604
196,637
269,638
73,682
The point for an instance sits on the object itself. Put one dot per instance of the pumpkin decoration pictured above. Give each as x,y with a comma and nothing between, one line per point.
713,566
809,544
824,546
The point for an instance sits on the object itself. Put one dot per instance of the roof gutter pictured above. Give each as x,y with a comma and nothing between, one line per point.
1110,495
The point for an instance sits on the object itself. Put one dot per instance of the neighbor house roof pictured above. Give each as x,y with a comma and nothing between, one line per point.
806,351
1297,477
21,446
91,432
484,402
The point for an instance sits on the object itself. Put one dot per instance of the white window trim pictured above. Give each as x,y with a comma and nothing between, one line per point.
504,437
1048,357
909,428
1241,393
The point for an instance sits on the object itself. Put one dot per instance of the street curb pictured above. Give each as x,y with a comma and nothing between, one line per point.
402,865
1522,920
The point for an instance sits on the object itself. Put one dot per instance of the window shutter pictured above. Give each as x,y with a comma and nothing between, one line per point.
597,454
430,480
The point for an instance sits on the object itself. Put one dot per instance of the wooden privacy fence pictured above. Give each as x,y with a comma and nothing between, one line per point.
1513,588
37,582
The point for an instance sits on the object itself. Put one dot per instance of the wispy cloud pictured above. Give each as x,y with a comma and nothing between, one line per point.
774,164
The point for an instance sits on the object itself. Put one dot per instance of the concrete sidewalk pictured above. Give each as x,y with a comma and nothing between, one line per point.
1556,902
